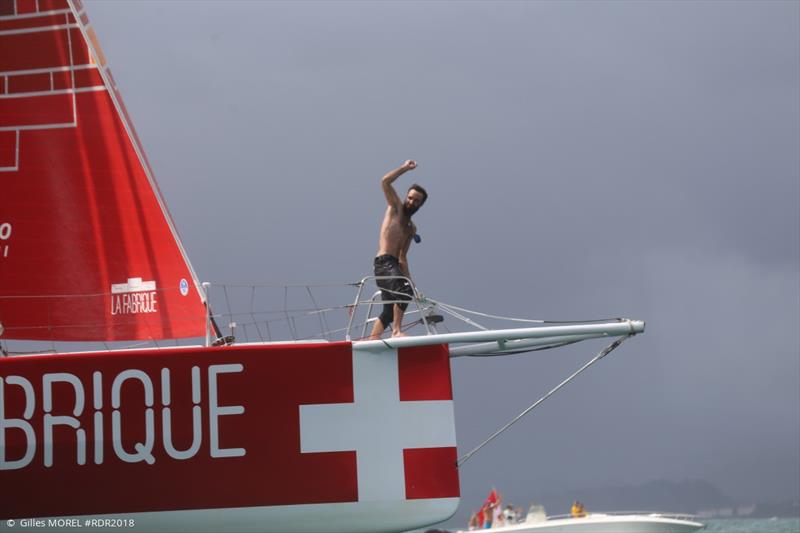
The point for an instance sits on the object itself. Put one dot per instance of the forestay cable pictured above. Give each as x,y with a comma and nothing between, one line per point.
604,352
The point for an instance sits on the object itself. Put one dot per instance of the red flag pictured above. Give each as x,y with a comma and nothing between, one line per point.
492,499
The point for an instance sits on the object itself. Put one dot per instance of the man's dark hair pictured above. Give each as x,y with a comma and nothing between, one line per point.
419,188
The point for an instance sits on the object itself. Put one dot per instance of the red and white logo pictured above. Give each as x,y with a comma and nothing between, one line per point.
380,426
134,297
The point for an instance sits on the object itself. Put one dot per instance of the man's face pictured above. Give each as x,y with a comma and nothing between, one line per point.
413,202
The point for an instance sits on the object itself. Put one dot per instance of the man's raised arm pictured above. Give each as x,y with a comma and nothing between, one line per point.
386,183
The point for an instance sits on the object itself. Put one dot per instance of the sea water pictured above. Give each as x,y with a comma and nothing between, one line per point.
752,525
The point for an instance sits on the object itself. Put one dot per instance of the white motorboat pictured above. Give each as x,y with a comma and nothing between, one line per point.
604,523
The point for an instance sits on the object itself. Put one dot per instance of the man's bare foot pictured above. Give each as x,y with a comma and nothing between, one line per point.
398,334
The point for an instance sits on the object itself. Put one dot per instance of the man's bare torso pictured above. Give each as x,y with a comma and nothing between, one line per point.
396,232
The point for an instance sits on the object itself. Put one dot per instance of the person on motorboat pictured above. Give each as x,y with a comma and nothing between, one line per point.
473,521
578,511
509,514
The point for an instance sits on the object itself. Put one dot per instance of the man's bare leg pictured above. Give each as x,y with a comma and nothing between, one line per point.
377,330
397,327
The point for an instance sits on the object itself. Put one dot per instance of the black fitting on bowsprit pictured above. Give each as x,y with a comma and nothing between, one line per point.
434,319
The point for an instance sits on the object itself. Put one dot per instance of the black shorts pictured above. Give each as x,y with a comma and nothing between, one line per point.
391,289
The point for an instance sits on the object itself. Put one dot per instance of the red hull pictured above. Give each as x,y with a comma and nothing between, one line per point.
202,428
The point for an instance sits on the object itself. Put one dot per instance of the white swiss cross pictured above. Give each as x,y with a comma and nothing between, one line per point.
377,425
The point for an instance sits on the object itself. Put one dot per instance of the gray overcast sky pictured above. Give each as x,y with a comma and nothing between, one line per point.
583,159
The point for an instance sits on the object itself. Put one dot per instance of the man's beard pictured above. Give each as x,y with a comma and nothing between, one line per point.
408,211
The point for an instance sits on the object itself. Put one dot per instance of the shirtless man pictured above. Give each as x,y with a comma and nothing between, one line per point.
397,231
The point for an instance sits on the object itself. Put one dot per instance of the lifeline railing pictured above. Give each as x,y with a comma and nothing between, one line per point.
263,322
376,297
416,298
321,312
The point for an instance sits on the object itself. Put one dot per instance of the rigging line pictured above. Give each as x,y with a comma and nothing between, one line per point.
447,309
486,315
252,299
532,321
319,313
211,316
287,319
605,351
330,334
252,315
282,285
58,296
258,329
405,327
410,325
305,310
228,304
292,332
339,330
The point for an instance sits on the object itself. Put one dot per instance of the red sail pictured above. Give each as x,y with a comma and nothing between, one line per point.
87,248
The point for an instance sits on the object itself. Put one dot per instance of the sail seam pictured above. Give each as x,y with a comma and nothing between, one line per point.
47,70
34,15
48,93
39,29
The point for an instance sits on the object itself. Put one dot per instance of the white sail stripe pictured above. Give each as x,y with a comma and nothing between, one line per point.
42,126
39,29
138,149
71,56
34,15
47,70
32,94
